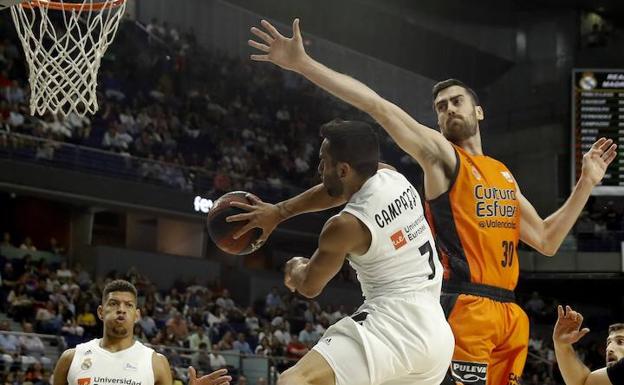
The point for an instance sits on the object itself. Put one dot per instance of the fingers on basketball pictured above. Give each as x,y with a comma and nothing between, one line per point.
245,229
242,205
239,217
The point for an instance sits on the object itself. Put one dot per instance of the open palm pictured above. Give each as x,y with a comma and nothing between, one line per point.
285,52
597,159
568,327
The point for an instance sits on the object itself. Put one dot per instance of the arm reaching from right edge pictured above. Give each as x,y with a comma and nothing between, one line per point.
427,146
567,332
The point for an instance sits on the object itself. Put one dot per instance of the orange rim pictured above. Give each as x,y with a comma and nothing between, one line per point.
61,6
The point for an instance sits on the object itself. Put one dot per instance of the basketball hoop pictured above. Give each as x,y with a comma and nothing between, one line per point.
64,43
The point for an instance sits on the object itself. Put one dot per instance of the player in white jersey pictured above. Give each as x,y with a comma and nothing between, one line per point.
400,334
117,358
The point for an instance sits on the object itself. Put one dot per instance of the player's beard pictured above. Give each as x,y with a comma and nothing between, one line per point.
459,128
117,331
334,185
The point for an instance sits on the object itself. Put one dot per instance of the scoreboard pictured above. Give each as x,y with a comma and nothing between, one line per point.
598,111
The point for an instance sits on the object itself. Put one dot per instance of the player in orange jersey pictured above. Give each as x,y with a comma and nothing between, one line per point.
474,204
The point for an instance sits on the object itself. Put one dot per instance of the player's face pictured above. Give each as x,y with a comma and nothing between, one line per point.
329,173
457,115
615,347
119,314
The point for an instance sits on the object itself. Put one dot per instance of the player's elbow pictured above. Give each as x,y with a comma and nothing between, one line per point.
309,291
548,249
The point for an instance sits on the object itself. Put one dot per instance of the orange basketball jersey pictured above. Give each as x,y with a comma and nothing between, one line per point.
477,223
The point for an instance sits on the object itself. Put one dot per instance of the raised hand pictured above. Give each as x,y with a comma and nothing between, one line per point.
597,159
286,52
568,327
260,215
218,377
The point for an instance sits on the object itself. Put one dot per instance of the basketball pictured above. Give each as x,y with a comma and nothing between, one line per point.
222,232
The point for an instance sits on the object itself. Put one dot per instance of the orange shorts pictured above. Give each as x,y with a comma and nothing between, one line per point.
491,339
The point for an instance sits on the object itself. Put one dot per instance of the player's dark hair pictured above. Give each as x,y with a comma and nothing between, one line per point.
354,143
616,327
450,83
118,285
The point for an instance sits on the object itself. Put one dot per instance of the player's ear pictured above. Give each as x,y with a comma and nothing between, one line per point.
138,315
100,312
479,112
342,169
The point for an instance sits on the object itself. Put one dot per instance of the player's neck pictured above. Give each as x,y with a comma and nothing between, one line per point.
352,189
472,145
115,345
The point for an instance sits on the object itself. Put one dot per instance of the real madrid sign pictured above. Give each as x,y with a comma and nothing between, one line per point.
598,111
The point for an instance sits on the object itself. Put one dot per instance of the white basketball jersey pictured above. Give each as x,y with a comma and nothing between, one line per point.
402,257
93,365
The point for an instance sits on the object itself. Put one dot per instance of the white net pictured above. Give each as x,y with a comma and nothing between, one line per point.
64,42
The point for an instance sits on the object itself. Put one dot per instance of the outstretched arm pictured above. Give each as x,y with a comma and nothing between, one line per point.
267,216
546,235
427,146
568,331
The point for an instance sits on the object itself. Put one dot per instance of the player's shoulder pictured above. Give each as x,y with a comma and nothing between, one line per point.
67,357
159,358
343,222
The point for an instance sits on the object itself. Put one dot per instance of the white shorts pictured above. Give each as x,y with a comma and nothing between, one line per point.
390,341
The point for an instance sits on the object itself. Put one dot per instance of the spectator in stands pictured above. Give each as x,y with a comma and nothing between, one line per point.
9,345
197,338
295,348
40,295
35,374
55,247
227,341
139,334
86,319
242,380
597,37
225,301
20,304
28,245
48,319
242,345
82,276
6,240
200,359
251,321
32,346
261,381
177,326
264,348
217,361
273,299
308,336
148,324
64,273
282,334
9,280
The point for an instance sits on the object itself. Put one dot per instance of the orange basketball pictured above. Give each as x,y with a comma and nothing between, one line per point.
221,232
